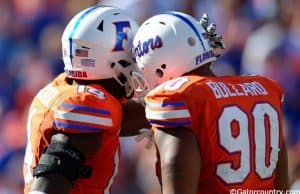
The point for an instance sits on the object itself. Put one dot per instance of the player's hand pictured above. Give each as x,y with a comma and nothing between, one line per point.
215,39
145,134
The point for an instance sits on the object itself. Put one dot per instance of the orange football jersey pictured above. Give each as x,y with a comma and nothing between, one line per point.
60,107
237,121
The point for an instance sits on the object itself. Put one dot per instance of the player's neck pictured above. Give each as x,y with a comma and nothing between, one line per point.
204,70
81,82
113,87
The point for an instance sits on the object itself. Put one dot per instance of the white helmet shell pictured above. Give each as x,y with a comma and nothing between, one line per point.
96,44
169,45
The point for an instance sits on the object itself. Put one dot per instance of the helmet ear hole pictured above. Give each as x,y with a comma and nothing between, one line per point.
124,63
163,66
112,65
159,73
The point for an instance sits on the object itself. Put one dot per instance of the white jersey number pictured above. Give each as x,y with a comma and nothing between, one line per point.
171,85
266,142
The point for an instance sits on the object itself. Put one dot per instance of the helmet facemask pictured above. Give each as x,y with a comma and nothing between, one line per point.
122,73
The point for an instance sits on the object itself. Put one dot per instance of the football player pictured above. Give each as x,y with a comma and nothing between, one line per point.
74,122
212,134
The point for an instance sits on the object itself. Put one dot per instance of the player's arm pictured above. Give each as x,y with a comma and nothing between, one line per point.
281,179
134,118
180,160
53,177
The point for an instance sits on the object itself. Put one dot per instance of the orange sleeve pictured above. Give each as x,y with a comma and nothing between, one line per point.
85,113
167,110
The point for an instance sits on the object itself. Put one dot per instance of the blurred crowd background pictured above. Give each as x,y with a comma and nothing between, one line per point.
261,36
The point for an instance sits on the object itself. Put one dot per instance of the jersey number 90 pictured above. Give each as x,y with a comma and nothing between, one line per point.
262,142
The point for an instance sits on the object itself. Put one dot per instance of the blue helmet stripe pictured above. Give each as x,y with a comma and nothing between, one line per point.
188,22
85,13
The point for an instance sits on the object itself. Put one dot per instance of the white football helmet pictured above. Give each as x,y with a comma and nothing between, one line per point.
96,45
170,44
